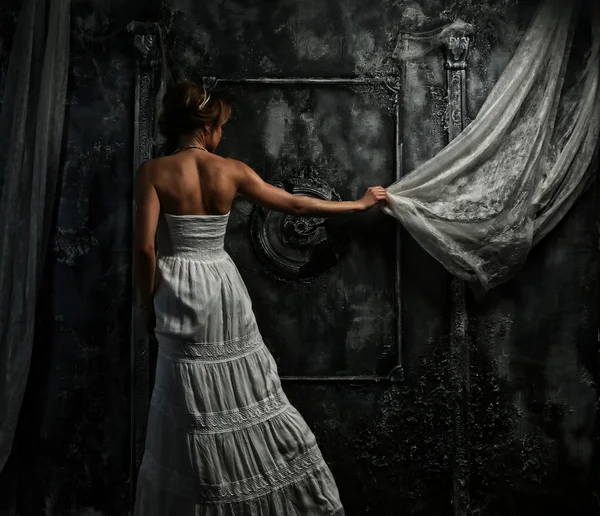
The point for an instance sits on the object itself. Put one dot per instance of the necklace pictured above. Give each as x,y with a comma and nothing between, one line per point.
191,147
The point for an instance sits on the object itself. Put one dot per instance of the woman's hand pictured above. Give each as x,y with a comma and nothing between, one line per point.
373,196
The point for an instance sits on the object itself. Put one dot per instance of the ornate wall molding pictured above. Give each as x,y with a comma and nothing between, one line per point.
274,249
456,49
147,81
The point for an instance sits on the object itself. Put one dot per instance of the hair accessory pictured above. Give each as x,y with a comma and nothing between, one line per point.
205,101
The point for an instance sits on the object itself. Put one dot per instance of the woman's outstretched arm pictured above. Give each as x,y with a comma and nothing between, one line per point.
251,186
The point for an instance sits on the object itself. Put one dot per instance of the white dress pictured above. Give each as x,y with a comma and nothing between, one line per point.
222,438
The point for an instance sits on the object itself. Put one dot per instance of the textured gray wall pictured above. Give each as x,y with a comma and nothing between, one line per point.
534,399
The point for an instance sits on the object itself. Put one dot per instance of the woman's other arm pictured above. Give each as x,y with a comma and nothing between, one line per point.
251,186
146,220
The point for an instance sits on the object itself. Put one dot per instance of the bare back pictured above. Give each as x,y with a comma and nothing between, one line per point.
194,182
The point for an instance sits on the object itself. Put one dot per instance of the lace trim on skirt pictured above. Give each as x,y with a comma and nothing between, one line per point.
209,352
225,421
308,463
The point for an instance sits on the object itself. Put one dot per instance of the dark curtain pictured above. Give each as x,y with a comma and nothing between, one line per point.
31,128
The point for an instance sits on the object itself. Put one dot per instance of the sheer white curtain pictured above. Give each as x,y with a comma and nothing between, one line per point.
496,190
31,127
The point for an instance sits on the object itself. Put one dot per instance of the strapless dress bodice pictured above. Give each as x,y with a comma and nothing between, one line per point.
200,237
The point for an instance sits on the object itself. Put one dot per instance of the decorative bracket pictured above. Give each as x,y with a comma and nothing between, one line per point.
148,60
456,50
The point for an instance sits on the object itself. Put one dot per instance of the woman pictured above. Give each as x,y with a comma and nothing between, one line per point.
222,437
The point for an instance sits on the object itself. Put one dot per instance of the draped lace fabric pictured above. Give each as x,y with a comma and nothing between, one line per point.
496,190
222,437
31,128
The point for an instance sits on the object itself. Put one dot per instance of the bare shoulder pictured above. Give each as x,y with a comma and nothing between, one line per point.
149,168
157,170
145,172
221,168
238,169
234,164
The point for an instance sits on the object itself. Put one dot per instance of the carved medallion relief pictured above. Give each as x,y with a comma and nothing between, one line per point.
295,247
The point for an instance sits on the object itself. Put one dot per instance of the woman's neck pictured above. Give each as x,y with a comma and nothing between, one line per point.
187,141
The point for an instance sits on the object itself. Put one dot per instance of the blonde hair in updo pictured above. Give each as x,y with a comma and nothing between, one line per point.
187,107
